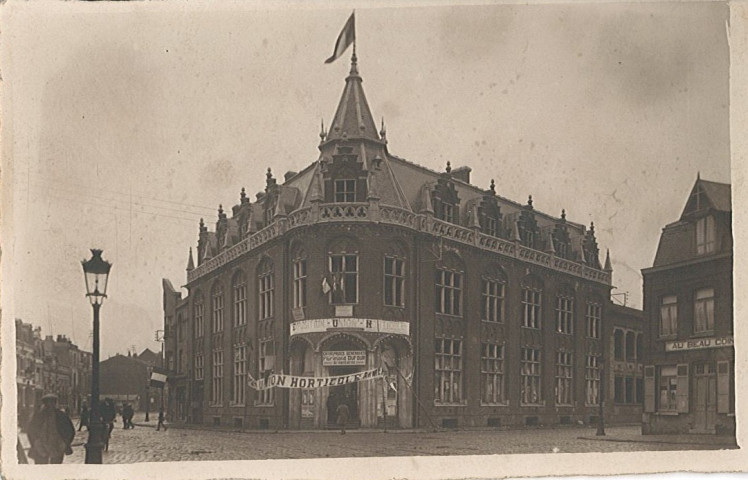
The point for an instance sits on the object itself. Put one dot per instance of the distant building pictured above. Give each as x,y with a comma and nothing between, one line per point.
487,311
688,297
78,363
125,378
29,370
624,368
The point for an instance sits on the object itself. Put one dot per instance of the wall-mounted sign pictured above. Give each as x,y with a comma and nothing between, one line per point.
699,343
335,358
360,324
343,310
298,313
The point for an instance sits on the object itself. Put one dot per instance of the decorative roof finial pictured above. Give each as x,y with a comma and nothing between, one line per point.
592,228
203,228
698,175
449,167
243,195
563,214
220,209
322,132
492,187
269,175
529,201
383,131
354,61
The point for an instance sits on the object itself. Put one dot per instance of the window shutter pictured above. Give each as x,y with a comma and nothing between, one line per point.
723,387
649,388
681,394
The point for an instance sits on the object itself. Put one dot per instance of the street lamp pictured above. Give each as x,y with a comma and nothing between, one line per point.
96,272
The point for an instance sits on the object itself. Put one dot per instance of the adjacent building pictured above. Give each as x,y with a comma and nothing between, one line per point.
29,370
626,329
126,378
689,380
485,311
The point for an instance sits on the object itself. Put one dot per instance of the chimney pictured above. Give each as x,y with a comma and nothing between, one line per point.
288,175
462,173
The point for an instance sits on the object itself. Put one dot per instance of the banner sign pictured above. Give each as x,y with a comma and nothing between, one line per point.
158,378
350,323
699,343
334,358
282,380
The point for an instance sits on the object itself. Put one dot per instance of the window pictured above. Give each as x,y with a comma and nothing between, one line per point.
618,389
448,292
299,283
394,282
530,394
345,191
491,226
531,307
593,319
240,300
199,317
344,268
564,314
240,374
266,363
705,236
592,380
669,315
448,371
492,374
265,285
628,384
447,212
704,310
492,305
668,388
630,348
217,380
564,378
217,301
561,248
618,344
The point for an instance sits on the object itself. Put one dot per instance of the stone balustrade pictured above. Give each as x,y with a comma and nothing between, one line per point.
386,214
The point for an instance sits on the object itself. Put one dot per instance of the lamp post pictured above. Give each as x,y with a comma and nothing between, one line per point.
96,272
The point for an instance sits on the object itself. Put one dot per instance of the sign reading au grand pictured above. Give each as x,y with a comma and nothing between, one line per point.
349,323
699,343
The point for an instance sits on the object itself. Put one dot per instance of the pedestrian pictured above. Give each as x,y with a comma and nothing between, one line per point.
84,415
127,414
161,419
108,413
50,432
343,414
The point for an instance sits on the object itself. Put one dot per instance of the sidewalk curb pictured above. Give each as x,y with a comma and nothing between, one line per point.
660,442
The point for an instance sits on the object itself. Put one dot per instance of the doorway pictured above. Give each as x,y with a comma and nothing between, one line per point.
347,394
705,398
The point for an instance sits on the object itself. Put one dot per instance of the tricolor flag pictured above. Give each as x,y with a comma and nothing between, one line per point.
346,37
158,377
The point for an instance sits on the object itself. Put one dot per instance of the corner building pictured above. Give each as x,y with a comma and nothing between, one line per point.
688,297
486,311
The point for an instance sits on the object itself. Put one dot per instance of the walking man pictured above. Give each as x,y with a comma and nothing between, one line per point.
50,432
84,417
161,419
343,414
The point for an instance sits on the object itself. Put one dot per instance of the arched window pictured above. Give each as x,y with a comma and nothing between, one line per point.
239,289
630,346
199,315
217,308
265,289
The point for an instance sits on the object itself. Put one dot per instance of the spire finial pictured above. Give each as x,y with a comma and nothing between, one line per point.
529,201
492,187
563,214
322,132
243,195
592,228
383,131
354,61
269,175
220,209
698,175
449,167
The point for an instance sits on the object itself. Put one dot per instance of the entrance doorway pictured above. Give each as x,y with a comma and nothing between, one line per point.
705,398
347,394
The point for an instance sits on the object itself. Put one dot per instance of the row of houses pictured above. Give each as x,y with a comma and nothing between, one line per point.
483,311
49,365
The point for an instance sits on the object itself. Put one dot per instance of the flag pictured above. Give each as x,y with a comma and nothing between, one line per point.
346,37
158,378
325,285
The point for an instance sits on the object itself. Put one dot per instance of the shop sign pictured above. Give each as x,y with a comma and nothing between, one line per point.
282,380
334,358
699,343
362,324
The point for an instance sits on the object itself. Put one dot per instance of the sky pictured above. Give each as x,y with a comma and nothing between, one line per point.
124,124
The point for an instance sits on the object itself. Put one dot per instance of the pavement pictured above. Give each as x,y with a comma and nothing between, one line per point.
179,443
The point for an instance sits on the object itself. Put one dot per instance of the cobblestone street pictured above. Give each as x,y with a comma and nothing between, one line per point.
144,443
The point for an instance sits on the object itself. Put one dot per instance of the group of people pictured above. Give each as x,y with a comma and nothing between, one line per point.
51,431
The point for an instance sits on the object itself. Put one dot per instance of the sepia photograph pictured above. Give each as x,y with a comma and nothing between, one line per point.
418,240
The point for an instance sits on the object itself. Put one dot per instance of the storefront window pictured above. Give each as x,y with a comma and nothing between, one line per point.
668,388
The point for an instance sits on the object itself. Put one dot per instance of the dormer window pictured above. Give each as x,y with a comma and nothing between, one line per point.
345,191
561,249
705,235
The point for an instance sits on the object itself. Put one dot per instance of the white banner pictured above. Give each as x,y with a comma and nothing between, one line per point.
282,380
350,323
332,358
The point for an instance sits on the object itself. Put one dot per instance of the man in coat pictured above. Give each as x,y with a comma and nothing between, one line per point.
343,414
50,432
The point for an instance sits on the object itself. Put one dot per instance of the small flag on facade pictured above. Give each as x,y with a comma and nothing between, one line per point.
346,37
158,378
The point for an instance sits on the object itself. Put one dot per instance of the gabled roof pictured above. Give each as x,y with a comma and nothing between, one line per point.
705,195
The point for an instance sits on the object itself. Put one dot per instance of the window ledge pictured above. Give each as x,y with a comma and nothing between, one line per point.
493,322
667,414
462,404
264,404
532,404
504,404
